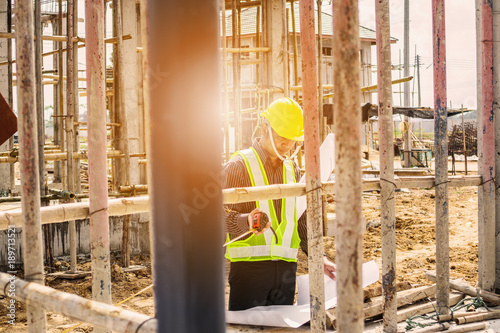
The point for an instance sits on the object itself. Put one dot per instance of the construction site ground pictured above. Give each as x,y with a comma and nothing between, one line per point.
415,230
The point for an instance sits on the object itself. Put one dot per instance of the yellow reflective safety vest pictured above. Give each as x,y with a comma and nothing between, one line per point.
265,246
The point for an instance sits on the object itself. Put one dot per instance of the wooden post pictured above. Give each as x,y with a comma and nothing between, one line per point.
441,151
188,232
257,44
313,176
147,111
347,113
496,106
295,53
28,154
322,134
47,230
60,89
235,38
486,222
120,73
98,180
387,194
79,308
71,90
480,204
225,100
76,108
9,79
407,136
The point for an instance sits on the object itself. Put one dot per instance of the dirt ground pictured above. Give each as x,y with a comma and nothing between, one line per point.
415,228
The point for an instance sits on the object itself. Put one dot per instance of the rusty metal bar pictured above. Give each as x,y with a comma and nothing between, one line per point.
98,180
313,176
441,151
346,79
486,222
188,263
28,153
387,204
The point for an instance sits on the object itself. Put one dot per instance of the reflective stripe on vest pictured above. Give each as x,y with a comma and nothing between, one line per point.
264,247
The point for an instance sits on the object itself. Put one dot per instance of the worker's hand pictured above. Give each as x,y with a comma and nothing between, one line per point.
250,219
329,268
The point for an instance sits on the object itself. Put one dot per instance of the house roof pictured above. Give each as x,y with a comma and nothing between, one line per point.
249,23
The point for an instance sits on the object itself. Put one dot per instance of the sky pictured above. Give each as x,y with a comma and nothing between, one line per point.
460,46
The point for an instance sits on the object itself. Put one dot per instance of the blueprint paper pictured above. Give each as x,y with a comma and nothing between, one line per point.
298,314
327,164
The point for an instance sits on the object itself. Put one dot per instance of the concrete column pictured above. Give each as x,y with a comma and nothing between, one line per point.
129,17
4,90
274,61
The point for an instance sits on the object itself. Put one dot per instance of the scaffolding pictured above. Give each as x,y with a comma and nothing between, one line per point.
188,288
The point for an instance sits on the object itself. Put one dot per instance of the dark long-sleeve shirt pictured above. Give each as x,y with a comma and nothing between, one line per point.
235,174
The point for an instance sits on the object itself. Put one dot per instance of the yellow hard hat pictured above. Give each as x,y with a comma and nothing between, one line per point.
286,118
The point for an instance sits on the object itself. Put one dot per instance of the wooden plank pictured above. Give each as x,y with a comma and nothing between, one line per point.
488,297
376,307
421,309
377,291
70,275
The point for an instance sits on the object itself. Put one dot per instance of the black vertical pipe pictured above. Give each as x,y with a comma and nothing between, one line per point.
186,150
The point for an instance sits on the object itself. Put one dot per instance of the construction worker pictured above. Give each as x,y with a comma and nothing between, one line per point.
264,264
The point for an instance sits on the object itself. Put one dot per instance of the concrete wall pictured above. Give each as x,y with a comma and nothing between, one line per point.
139,238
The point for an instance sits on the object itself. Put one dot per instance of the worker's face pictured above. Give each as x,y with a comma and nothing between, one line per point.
283,145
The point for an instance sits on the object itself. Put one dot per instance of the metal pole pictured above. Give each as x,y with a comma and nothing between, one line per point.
98,180
418,85
496,82
486,275
28,155
187,213
71,90
407,136
346,82
441,150
386,165
313,176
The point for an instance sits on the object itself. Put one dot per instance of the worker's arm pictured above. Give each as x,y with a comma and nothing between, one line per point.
330,268
236,216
